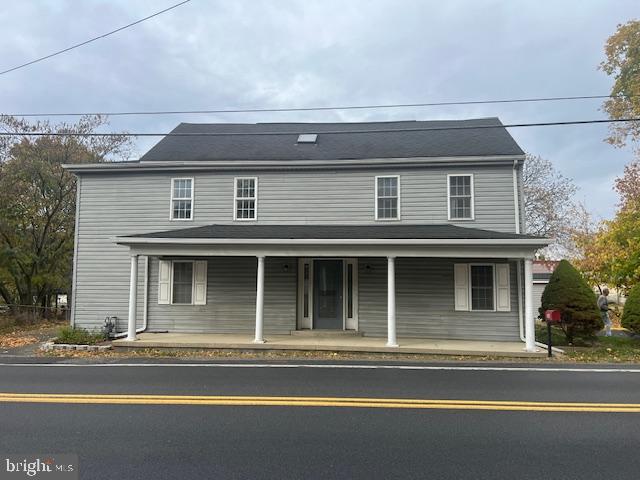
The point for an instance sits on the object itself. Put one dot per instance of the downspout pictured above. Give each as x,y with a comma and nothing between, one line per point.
516,200
145,300
520,311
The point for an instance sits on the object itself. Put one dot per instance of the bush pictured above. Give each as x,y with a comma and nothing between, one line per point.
568,292
631,313
79,336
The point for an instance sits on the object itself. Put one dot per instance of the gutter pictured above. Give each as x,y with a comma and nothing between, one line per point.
331,241
132,166
145,306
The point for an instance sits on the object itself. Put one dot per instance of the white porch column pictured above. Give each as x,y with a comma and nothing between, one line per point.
391,302
529,318
260,302
133,298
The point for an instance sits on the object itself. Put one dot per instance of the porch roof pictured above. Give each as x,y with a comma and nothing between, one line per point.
332,232
334,240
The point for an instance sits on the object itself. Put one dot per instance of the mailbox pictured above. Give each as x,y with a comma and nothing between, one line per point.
552,316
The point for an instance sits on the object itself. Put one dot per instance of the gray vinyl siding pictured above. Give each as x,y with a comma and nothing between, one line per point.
231,299
119,203
425,302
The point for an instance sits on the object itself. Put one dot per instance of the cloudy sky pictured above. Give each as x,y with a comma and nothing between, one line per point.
212,54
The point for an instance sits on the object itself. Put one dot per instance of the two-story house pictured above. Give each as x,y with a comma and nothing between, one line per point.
396,229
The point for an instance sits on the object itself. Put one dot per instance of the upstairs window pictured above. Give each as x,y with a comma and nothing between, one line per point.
460,199
245,198
388,198
182,199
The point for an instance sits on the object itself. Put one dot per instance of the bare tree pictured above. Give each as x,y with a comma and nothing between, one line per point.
550,209
37,201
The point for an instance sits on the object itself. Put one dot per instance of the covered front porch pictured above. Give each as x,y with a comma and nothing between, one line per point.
328,343
377,280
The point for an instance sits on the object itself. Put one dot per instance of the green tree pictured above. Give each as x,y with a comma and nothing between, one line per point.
611,255
622,52
568,292
37,203
631,312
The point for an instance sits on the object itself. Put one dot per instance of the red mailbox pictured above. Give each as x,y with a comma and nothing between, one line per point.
552,316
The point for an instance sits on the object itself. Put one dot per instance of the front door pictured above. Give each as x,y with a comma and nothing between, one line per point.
327,294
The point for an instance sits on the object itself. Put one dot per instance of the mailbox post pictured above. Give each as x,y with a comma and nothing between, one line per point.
551,317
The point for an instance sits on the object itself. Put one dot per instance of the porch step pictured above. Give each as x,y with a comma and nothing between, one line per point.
325,333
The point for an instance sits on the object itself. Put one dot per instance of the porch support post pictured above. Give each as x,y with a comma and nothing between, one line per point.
391,302
529,321
133,298
260,302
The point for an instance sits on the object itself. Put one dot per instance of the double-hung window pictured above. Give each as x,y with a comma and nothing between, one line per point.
182,199
388,198
460,197
482,287
182,282
245,201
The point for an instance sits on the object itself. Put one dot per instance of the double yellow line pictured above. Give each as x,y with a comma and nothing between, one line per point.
404,403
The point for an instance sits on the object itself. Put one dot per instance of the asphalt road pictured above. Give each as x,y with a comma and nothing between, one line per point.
130,441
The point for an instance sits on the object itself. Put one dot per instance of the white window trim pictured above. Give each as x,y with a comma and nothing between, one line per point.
193,185
473,197
254,198
305,322
193,282
350,323
375,185
495,300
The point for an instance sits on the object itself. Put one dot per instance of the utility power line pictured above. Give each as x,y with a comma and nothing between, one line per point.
320,132
93,39
317,109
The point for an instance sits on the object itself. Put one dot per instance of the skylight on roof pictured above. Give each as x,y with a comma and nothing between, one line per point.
307,138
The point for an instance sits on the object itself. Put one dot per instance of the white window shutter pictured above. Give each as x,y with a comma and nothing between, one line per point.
461,286
164,282
200,282
503,288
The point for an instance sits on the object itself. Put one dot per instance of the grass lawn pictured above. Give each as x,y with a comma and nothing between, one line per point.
602,349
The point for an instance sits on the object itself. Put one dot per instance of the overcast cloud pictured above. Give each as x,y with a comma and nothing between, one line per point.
280,53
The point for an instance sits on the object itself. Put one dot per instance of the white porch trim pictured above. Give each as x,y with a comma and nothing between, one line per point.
529,319
260,302
538,242
391,302
133,299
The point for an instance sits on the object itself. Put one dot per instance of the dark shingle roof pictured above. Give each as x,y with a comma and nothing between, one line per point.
395,232
274,145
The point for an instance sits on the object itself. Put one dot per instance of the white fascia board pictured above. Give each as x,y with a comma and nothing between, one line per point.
351,251
536,242
268,164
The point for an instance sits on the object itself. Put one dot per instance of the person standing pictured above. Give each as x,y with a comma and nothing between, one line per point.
603,305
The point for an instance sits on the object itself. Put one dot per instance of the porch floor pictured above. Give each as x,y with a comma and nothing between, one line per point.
345,343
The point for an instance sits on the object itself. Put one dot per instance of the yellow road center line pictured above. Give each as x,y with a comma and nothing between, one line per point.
406,403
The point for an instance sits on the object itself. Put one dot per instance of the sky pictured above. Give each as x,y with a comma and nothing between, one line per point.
212,54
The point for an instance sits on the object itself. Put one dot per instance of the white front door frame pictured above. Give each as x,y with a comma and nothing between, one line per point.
306,286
